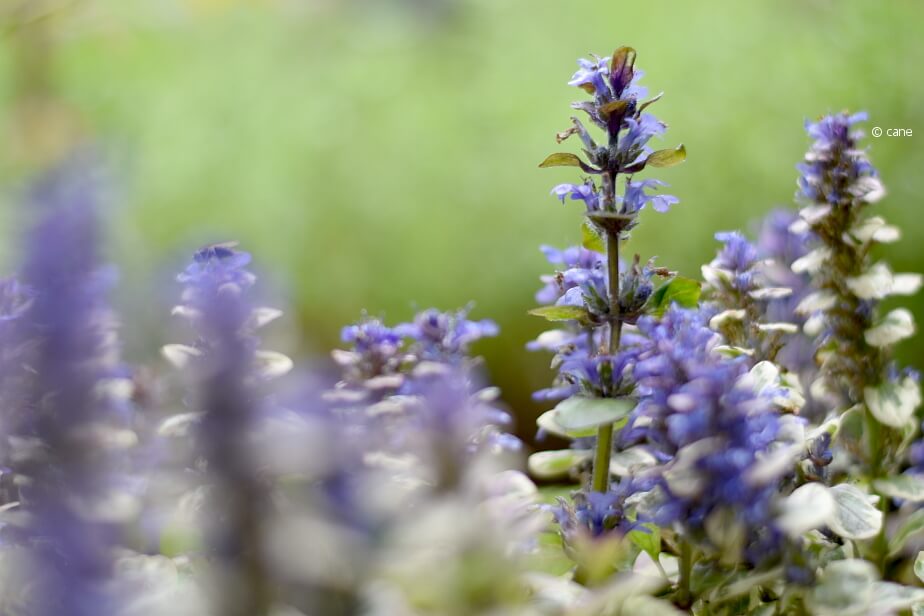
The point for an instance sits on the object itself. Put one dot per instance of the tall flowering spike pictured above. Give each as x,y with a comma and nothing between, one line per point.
229,368
65,431
836,185
595,373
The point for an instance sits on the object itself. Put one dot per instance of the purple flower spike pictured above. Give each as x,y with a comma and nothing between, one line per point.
62,329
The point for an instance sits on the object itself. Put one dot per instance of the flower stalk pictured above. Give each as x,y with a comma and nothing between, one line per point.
601,470
599,301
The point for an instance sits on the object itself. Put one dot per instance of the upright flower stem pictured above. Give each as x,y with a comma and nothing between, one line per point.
601,470
612,262
601,476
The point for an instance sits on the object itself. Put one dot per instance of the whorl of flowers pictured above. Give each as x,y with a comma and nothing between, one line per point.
412,385
779,245
66,427
836,186
743,294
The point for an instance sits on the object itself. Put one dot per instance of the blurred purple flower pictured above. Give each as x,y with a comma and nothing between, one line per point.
65,334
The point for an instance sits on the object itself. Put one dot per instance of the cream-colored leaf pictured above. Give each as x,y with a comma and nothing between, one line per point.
816,302
812,262
813,214
271,364
906,284
769,293
808,507
786,328
893,404
726,315
896,326
180,355
876,283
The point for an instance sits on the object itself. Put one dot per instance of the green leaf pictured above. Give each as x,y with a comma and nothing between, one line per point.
590,239
561,159
579,412
566,159
910,526
667,158
547,422
555,464
909,487
679,290
919,566
548,557
741,585
562,313
647,540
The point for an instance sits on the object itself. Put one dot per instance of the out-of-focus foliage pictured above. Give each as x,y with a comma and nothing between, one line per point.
378,153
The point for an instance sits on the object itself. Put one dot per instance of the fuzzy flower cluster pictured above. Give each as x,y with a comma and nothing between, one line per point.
697,408
740,288
258,497
390,373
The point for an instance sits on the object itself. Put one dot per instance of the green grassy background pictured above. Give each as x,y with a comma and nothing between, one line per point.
382,154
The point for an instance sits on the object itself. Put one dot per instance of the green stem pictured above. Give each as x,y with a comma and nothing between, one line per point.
600,481
612,263
601,475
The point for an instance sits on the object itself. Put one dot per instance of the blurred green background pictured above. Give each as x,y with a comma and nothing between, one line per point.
381,154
